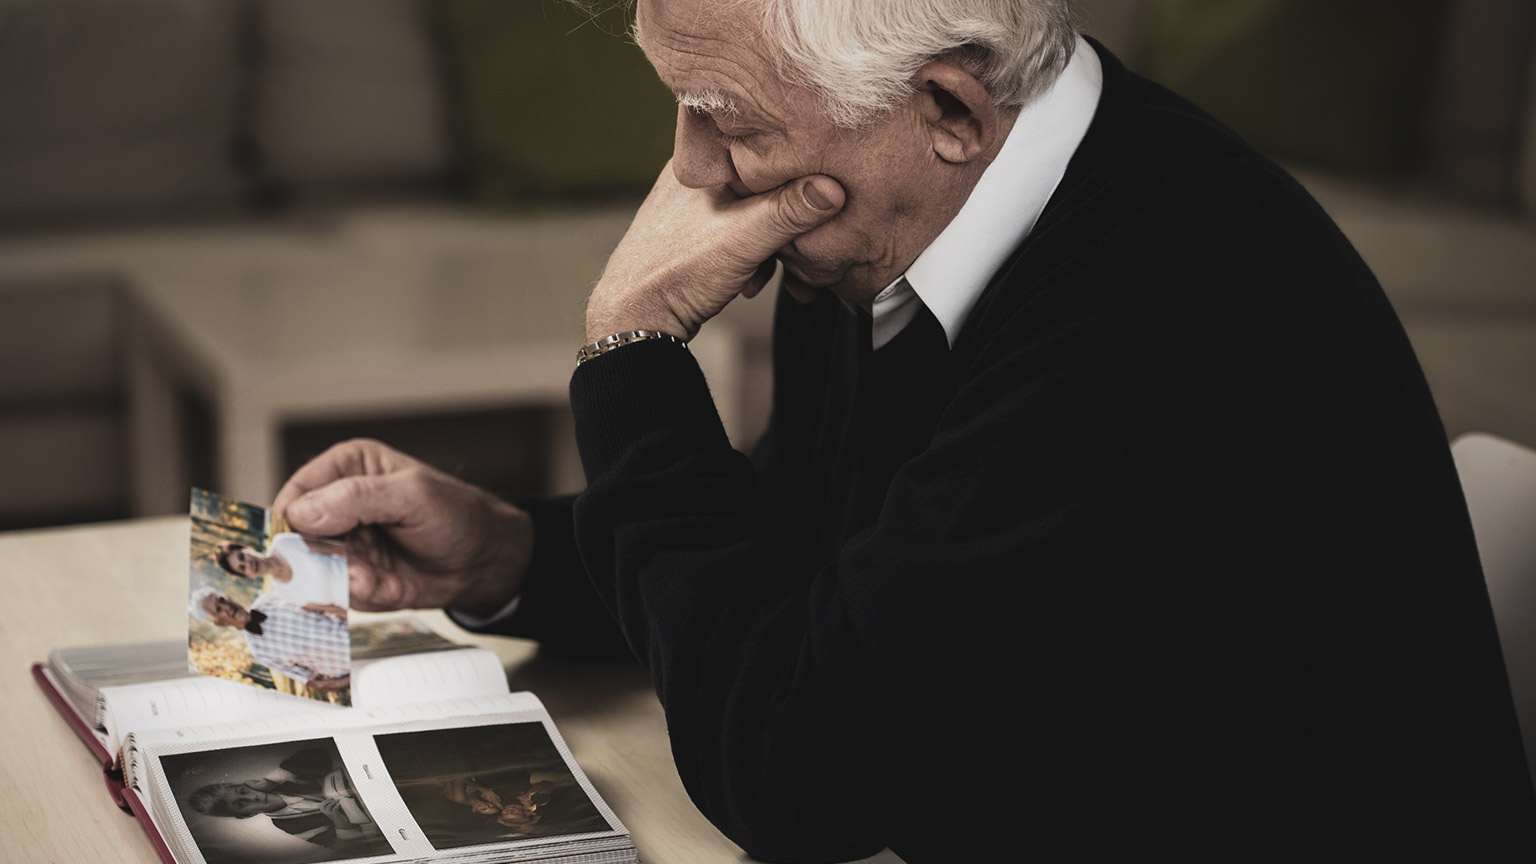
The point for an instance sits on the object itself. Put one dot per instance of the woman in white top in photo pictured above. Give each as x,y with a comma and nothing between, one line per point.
299,574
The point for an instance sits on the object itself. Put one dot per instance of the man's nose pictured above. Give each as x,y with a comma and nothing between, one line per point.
699,158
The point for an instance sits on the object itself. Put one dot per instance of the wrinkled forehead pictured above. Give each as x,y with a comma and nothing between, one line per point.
705,24
711,54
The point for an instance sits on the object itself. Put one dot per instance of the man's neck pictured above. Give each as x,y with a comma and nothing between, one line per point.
949,186
1001,208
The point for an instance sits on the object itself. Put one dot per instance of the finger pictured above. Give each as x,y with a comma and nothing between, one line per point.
344,504
356,456
762,277
785,213
381,579
374,590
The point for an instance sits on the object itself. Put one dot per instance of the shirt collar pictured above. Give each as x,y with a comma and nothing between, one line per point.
948,276
295,804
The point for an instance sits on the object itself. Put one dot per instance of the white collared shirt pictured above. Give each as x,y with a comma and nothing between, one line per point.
949,275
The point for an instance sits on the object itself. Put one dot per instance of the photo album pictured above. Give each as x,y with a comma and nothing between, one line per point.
279,731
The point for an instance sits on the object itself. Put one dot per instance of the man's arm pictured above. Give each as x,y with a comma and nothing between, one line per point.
418,538
792,695
286,666
557,606
326,685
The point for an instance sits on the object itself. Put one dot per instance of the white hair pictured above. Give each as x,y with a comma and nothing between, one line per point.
195,606
860,56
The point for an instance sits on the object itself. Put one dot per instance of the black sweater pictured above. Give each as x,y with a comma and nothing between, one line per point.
1167,550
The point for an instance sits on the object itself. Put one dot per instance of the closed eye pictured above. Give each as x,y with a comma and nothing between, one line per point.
733,138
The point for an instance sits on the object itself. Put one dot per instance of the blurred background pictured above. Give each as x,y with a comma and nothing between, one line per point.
233,232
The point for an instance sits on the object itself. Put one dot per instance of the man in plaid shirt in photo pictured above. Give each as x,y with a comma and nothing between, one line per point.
308,643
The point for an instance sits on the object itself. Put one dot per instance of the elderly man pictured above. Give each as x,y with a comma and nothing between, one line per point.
309,643
1102,490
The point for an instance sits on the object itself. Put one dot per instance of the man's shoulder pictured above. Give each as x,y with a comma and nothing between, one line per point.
270,602
1155,162
1164,204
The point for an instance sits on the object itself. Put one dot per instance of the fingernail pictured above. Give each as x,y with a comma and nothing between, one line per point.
307,511
815,198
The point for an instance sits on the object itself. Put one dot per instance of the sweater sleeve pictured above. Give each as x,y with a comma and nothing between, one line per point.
792,697
1108,581
558,607
675,533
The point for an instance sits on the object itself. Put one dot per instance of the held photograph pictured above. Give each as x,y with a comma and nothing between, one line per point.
487,784
288,802
266,606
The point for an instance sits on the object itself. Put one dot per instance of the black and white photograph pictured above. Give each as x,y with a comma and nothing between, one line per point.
487,784
292,802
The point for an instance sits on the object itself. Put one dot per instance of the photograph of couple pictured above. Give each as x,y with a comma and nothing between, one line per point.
266,606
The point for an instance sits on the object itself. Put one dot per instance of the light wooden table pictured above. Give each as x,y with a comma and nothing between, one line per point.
126,582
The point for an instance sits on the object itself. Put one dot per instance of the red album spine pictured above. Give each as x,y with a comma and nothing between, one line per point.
76,722
137,808
109,773
121,795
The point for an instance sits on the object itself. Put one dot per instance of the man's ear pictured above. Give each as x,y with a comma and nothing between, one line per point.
958,114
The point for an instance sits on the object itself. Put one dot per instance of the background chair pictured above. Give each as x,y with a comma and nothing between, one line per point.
1499,479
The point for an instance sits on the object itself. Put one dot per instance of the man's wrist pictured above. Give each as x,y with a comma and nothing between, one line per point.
494,585
481,622
616,340
608,313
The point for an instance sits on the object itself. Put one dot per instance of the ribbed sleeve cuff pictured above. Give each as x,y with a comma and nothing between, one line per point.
643,392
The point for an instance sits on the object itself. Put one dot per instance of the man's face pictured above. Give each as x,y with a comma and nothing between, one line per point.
242,800
226,612
761,132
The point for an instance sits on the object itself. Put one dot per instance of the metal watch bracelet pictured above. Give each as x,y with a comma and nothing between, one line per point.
608,343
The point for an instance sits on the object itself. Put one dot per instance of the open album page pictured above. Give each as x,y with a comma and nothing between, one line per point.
479,779
201,700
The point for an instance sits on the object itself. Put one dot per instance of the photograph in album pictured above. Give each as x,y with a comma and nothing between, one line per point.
283,803
487,784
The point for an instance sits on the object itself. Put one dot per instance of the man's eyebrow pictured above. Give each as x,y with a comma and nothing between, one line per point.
708,102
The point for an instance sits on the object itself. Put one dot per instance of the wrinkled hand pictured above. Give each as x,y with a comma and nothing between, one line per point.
416,538
689,252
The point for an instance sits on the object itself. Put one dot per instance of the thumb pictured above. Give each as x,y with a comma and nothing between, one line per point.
792,210
344,504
